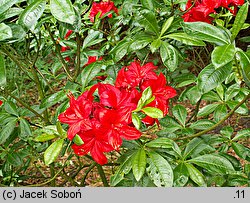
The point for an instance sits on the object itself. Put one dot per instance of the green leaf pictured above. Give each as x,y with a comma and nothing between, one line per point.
180,175
202,124
78,140
245,133
14,159
185,39
140,40
90,71
155,45
18,33
10,13
239,20
53,151
146,95
180,113
25,130
159,170
162,142
153,112
191,146
209,78
6,4
245,66
169,56
139,164
206,110
213,163
92,35
120,50
2,72
227,131
53,99
222,55
10,107
166,25
243,109
149,21
149,4
6,32
232,91
206,32
63,11
123,169
136,121
29,17
196,175
220,112
7,130
45,137
242,151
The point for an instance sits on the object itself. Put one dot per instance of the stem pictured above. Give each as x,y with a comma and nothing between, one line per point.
219,123
86,174
195,112
24,104
78,55
64,64
102,174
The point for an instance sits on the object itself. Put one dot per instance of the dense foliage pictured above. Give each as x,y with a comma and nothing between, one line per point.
150,92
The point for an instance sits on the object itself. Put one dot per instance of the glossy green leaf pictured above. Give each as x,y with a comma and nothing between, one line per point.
191,146
18,33
220,112
180,113
153,112
169,56
146,95
242,151
10,13
213,163
123,169
245,66
159,170
6,32
180,175
208,109
222,55
243,109
162,142
227,131
149,4
185,39
196,175
53,151
136,121
202,124
25,130
2,72
155,45
139,164
7,130
78,140
120,50
239,20
90,71
45,137
11,108
232,91
88,41
245,133
29,17
63,11
53,99
166,25
149,22
140,40
14,159
209,78
6,4
206,32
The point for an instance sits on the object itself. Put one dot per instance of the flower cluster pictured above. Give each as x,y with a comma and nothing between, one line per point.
201,9
103,7
102,121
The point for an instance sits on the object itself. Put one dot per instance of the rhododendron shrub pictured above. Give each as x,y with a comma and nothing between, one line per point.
103,121
200,10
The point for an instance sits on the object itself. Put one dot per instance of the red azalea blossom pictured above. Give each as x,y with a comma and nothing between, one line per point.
103,123
1,102
203,8
103,7
69,32
92,59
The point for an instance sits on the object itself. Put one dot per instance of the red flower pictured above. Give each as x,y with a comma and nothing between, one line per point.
92,59
63,49
1,102
103,7
69,32
135,74
95,142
